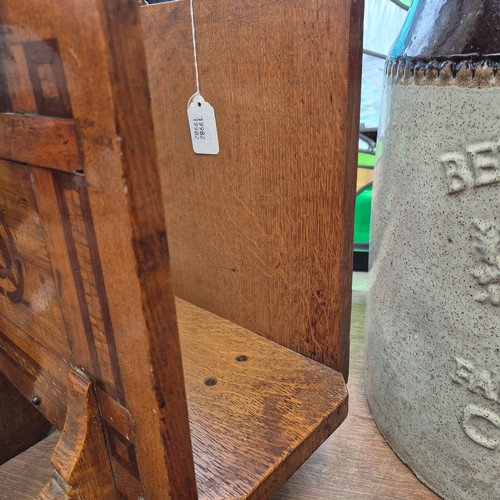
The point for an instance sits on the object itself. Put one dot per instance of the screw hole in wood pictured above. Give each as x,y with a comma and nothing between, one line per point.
241,358
210,381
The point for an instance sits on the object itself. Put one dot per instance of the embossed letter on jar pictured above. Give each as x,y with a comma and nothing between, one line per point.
433,322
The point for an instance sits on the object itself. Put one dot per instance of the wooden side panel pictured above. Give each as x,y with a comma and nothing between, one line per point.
262,233
28,292
82,65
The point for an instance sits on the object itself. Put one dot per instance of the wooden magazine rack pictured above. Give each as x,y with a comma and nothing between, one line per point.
259,241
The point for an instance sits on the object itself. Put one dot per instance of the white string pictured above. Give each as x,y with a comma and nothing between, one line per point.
194,47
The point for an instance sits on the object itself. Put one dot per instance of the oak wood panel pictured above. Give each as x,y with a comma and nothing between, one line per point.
135,257
21,425
28,294
85,60
40,140
264,415
262,233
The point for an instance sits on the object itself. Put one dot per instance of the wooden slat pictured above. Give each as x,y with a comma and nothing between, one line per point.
115,414
262,233
265,414
135,257
39,140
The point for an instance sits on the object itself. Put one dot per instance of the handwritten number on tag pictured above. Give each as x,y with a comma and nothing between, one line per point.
202,125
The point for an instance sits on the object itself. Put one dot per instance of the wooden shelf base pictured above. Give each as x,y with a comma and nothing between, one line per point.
356,463
268,409
257,410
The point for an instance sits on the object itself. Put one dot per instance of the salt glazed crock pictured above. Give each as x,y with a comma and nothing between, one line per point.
433,318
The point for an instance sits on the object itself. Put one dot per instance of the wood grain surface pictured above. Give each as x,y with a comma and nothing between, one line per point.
23,477
87,275
135,260
80,460
85,278
39,140
29,296
262,233
355,463
257,410
34,348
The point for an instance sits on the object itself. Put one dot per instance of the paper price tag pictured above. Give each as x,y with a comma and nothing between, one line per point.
202,125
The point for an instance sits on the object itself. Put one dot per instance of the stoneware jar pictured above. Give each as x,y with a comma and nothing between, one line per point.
433,322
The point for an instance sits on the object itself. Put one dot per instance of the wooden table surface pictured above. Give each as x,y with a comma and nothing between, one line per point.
355,462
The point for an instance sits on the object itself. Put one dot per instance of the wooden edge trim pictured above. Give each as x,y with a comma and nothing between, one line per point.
139,169
353,109
302,452
39,140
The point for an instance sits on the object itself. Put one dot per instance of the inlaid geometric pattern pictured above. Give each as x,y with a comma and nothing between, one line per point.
122,450
82,247
32,78
87,274
88,281
47,78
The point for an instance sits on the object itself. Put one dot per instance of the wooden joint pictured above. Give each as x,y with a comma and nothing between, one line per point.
81,465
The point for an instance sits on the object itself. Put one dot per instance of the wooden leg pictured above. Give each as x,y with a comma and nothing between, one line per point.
21,424
80,460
